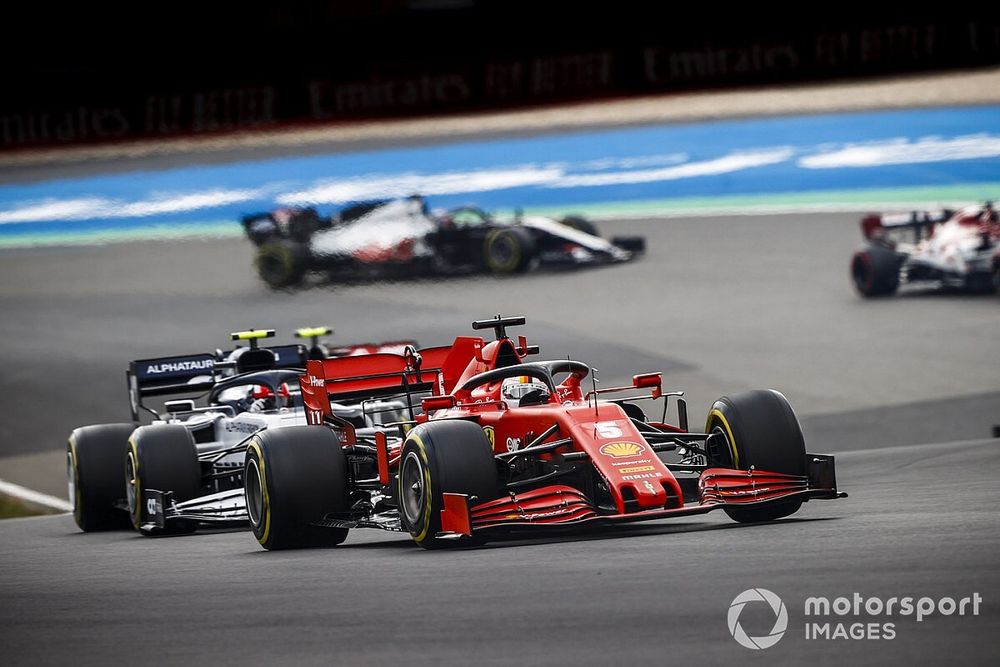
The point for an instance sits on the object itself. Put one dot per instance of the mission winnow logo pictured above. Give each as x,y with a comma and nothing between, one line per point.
871,617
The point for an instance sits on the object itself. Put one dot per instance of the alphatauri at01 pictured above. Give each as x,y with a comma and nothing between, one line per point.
186,467
504,446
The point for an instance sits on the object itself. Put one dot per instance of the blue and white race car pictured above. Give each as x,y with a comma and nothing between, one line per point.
185,468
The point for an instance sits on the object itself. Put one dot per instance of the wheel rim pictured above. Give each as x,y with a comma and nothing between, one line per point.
412,489
71,478
132,485
273,269
720,432
254,493
502,251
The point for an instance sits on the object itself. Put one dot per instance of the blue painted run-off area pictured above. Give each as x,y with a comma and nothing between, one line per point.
836,152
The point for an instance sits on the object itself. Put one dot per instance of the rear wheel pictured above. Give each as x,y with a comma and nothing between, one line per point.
293,477
95,477
760,429
875,271
162,457
437,458
280,263
508,250
981,282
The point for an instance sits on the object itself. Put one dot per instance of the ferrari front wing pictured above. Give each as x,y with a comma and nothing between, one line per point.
560,506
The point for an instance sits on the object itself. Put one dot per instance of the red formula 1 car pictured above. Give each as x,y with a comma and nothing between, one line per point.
947,248
501,446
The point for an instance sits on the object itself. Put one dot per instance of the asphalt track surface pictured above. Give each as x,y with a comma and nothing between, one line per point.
921,521
719,304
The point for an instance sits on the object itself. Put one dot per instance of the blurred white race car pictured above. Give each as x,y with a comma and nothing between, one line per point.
403,238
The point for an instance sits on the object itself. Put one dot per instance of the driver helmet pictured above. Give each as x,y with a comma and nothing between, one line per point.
515,388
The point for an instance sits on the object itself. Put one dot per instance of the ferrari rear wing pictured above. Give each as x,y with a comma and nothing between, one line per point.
384,374
367,376
389,347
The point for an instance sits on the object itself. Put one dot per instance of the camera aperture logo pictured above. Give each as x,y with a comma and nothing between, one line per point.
780,618
858,617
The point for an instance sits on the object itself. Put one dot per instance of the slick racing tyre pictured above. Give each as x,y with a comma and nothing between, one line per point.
981,282
508,251
293,477
438,458
875,271
759,429
162,457
281,264
95,476
580,224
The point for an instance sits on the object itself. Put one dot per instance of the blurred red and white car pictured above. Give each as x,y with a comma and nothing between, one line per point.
955,249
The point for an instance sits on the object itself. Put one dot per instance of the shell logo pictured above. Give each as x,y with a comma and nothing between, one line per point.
621,450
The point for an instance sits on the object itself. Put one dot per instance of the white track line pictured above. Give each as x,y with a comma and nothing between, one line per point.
35,497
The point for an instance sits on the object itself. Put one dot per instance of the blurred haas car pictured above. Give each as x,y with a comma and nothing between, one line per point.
402,238
504,446
948,248
186,467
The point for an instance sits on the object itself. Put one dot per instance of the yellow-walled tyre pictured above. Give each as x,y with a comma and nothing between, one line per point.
450,456
509,250
760,429
293,477
280,264
95,476
162,457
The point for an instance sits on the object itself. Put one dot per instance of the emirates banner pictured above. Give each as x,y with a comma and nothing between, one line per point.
235,67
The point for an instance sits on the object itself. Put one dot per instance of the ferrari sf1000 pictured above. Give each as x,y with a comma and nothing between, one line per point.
505,446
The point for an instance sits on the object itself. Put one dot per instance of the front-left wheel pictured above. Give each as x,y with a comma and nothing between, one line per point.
448,456
293,478
760,431
95,477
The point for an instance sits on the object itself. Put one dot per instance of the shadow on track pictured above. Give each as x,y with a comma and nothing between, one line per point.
563,536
